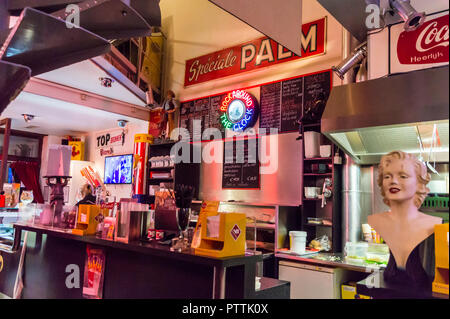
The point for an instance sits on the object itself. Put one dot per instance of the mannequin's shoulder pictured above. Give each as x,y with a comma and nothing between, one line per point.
376,219
430,220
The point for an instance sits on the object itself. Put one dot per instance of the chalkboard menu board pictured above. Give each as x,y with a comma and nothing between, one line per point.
215,113
270,100
291,101
240,164
205,112
282,103
316,93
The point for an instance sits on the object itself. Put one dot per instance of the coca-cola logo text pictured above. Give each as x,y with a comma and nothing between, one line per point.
428,44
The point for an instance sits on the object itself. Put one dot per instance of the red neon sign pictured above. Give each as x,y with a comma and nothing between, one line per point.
253,55
239,110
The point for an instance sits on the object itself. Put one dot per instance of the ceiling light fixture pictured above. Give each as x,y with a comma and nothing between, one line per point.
28,117
122,123
405,10
358,55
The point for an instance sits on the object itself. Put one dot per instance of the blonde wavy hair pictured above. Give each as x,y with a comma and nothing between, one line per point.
423,177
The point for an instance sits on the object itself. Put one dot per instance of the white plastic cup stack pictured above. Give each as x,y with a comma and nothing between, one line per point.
298,241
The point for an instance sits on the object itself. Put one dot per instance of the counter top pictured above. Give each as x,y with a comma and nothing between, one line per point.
330,260
149,248
151,269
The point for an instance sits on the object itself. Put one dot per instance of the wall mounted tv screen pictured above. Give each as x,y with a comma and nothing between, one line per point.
118,169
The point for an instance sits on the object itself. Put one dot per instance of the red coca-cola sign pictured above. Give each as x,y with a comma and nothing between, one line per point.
428,44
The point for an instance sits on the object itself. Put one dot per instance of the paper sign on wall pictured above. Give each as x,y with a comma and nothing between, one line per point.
106,151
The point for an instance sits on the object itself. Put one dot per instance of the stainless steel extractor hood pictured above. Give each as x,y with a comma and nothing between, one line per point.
407,112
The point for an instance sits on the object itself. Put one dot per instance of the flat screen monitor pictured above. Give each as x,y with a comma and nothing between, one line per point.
118,169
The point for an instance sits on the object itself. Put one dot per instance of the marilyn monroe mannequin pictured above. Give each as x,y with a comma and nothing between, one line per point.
408,232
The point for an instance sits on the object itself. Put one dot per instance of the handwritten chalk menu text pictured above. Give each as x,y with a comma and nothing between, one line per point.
291,102
270,101
207,113
283,103
241,164
316,90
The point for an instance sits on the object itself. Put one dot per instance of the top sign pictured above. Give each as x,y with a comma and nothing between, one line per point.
254,55
115,138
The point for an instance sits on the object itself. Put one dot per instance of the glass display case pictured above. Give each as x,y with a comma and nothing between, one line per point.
32,214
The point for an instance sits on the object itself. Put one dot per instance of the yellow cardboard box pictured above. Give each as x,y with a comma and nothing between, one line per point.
77,150
441,282
348,291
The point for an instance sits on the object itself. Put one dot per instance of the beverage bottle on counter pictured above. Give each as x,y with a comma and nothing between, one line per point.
2,199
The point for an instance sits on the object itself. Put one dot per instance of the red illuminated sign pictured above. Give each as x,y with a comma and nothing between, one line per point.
254,55
428,44
239,109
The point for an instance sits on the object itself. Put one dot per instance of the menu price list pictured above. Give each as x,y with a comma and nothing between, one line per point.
291,102
283,103
316,90
241,164
207,114
270,105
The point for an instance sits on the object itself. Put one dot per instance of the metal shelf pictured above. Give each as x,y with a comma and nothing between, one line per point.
318,174
261,225
318,225
161,168
311,206
319,159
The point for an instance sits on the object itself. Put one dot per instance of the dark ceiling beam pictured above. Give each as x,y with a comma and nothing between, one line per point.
4,16
16,6
148,9
49,43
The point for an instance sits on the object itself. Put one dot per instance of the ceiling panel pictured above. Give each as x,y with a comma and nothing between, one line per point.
86,76
55,117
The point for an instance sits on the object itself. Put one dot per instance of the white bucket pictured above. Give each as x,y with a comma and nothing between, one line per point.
312,144
298,241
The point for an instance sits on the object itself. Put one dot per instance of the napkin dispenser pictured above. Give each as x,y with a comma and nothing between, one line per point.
130,220
86,220
222,234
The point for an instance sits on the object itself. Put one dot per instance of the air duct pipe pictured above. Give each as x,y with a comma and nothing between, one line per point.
349,44
357,194
356,181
